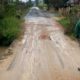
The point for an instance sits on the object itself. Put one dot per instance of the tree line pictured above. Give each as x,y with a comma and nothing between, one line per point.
56,3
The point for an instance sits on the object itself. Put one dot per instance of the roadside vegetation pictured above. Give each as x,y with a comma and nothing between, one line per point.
65,22
10,20
70,12
70,20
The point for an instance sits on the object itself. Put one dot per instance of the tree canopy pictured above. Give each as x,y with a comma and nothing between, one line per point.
56,3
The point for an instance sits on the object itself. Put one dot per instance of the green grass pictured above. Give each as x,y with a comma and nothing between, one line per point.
65,22
10,22
9,30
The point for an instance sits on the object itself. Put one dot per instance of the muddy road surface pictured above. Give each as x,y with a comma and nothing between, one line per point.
47,54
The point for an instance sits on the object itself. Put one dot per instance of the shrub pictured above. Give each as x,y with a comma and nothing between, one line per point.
74,15
9,30
42,6
65,22
1,12
70,22
10,10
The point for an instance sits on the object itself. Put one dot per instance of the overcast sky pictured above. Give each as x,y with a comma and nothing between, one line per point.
27,0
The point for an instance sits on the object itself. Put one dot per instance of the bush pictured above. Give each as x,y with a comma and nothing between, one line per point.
68,29
65,22
71,19
74,15
1,12
10,15
9,30
10,10
42,6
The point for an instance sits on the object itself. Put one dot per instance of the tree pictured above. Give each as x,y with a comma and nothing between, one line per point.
30,3
47,2
56,3
37,2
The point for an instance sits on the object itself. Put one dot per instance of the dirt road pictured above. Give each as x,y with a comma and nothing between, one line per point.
47,54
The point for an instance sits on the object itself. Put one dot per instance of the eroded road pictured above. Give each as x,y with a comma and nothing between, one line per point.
47,54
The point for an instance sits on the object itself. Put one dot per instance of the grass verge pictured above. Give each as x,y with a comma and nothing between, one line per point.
65,22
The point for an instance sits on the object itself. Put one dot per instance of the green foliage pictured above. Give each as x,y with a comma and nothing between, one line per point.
77,30
74,15
37,2
1,12
10,10
9,30
56,3
70,22
10,14
42,6
65,22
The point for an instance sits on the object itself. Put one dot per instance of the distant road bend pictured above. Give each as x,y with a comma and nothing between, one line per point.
47,53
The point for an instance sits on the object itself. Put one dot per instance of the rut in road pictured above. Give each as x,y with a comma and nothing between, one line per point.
47,54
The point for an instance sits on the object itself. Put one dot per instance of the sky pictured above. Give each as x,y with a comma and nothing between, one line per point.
26,0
